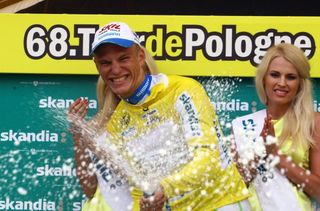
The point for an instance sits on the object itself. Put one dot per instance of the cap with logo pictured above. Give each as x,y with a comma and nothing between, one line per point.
117,33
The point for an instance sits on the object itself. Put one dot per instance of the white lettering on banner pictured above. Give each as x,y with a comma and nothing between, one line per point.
58,46
316,106
227,44
65,171
76,206
51,102
42,136
189,115
40,204
233,105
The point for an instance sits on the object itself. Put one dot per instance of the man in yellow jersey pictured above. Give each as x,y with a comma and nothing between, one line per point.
145,115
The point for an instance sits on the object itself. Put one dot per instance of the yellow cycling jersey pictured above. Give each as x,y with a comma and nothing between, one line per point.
204,182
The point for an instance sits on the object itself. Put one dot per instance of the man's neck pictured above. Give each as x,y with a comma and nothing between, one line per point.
142,91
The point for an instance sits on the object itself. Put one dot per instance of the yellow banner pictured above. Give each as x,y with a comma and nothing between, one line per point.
184,45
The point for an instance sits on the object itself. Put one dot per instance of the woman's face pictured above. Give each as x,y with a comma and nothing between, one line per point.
281,82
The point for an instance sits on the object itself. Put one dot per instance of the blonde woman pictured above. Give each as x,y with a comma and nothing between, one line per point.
283,84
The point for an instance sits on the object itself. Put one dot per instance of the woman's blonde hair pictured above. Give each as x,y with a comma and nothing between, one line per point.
108,101
299,120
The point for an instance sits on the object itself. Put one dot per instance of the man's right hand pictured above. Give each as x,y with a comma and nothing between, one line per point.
76,112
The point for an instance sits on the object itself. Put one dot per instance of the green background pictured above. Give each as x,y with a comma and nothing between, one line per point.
20,112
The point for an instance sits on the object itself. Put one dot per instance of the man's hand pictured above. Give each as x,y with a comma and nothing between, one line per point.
76,112
154,202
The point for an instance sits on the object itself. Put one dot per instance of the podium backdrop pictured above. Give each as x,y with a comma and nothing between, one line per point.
39,80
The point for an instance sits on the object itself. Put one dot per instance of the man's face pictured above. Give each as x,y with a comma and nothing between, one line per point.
120,68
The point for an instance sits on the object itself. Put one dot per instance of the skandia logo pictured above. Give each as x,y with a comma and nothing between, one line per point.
64,171
42,136
40,204
233,105
189,115
77,206
316,106
51,102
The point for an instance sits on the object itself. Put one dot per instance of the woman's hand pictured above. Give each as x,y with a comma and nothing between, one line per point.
154,202
76,112
268,128
249,171
267,134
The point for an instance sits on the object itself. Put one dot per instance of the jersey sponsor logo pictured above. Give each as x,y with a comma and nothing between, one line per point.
64,171
40,204
51,102
125,119
150,117
189,115
42,136
131,131
233,105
